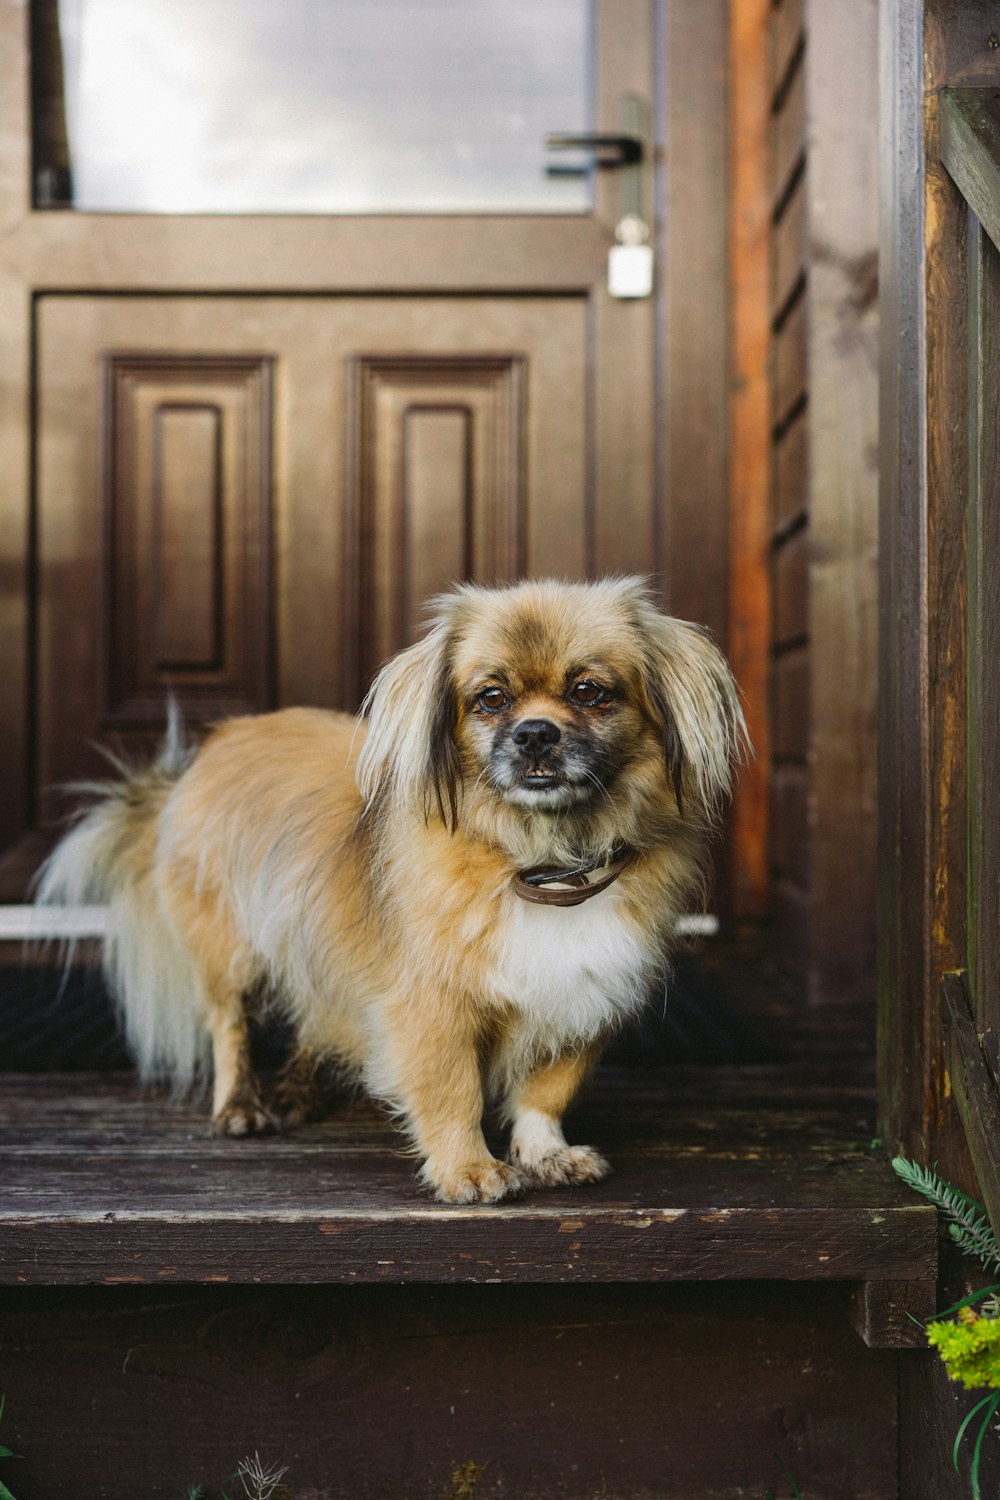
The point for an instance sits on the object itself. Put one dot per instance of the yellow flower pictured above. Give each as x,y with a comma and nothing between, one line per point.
970,1348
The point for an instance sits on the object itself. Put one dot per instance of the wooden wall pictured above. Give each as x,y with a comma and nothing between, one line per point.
481,1392
803,483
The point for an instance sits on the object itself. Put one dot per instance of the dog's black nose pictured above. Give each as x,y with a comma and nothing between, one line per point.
535,734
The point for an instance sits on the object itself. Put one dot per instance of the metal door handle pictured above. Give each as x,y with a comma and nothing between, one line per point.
607,150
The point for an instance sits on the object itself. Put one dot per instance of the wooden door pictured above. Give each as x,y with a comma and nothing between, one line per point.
242,450
264,493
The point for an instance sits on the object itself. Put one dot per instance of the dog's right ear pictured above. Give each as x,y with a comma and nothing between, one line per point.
410,756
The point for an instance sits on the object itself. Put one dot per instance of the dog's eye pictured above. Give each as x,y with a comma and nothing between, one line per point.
588,694
492,700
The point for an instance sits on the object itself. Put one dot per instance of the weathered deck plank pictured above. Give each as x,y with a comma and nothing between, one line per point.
102,1183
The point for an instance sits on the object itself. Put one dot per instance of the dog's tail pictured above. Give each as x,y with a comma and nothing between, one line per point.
108,860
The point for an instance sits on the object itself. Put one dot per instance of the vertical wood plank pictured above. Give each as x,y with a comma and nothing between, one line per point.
691,545
621,520
15,110
903,908
791,472
984,627
842,188
788,132
924,463
750,437
16,320
16,643
786,29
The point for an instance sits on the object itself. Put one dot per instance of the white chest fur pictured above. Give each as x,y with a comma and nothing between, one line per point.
572,971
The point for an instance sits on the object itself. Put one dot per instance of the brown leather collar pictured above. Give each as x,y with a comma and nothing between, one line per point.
547,887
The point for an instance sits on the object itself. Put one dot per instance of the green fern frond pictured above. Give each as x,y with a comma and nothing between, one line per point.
968,1225
979,1240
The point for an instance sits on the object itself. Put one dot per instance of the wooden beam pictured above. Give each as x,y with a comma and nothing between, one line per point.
970,149
922,624
975,1088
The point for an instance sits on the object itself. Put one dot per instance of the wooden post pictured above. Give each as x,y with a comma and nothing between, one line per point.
749,426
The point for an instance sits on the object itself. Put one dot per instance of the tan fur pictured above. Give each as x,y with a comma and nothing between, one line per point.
384,920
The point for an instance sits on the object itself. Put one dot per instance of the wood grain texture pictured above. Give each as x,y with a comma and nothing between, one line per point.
428,505
188,502
17,643
791,686
786,28
973,1079
790,376
790,843
843,351
931,1410
905,1038
791,589
103,1185
693,541
389,1393
970,149
923,421
791,473
750,438
621,521
983,545
889,1315
788,251
788,130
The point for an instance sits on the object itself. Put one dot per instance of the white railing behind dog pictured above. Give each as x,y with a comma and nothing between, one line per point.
57,923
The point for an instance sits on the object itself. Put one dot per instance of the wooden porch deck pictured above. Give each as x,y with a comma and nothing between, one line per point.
720,1174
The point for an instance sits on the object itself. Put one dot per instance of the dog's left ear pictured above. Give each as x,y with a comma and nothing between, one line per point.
695,700
410,754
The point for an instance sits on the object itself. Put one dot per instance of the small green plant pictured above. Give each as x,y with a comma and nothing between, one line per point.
966,1219
796,1493
969,1345
257,1481
5,1493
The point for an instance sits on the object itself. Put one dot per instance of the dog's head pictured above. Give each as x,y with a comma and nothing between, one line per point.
552,698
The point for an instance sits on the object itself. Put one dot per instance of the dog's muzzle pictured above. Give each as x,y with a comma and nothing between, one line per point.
537,762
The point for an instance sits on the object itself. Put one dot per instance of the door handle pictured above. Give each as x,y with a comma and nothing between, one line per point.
607,150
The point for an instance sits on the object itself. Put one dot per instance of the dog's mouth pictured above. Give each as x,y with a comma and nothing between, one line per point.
541,777
541,781
543,786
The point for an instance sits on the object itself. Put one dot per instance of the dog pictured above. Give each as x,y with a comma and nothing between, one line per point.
457,896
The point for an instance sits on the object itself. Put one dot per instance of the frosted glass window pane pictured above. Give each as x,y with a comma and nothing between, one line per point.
325,106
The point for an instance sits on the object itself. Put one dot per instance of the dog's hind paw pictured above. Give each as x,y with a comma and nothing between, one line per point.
244,1115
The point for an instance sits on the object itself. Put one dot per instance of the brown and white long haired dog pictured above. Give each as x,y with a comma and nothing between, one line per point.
459,899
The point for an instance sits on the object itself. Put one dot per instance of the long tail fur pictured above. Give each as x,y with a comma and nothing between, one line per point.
108,859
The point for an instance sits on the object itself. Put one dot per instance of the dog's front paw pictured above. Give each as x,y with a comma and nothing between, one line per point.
538,1150
485,1181
563,1166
